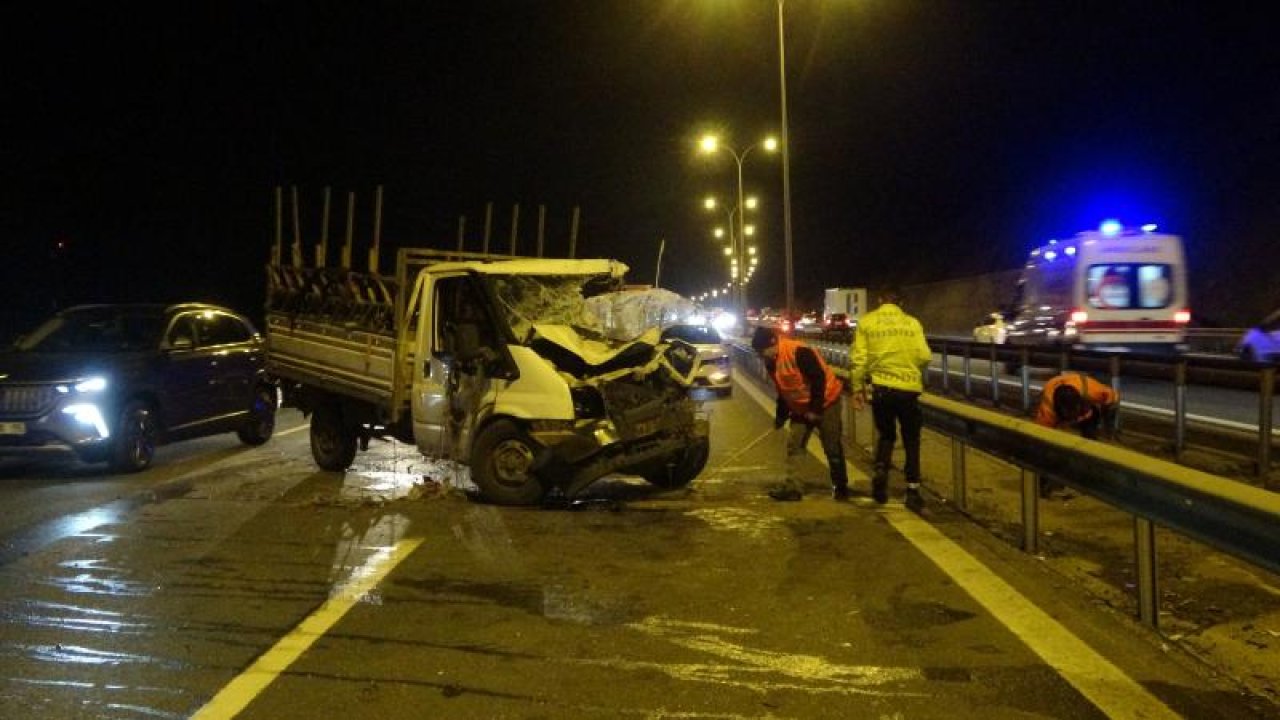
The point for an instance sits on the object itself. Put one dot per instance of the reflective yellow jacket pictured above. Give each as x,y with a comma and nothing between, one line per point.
889,349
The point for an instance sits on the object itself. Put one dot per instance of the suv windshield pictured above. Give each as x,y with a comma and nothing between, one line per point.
96,330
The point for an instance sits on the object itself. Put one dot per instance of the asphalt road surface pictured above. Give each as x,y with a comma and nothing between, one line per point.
238,582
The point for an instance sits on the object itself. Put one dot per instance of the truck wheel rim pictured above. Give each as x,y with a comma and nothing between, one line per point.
511,462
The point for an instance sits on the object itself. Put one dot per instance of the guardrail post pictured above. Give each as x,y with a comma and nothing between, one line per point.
1114,367
946,371
958,477
1144,546
994,371
1266,394
968,351
1024,368
1030,511
1179,409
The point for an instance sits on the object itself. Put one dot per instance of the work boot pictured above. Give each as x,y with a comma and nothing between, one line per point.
880,489
840,493
785,494
914,500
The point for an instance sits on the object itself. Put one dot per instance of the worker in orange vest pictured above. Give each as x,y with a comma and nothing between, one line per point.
1074,400
809,396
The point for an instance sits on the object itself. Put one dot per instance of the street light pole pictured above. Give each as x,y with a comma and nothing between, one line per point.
711,144
786,164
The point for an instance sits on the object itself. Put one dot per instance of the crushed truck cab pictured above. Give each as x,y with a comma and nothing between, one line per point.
498,364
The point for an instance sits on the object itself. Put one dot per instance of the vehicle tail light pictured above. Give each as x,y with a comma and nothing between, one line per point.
1182,317
1079,317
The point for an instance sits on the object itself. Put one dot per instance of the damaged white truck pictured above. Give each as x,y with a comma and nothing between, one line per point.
494,363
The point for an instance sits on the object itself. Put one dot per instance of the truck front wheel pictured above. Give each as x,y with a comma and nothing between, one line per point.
333,444
681,468
501,465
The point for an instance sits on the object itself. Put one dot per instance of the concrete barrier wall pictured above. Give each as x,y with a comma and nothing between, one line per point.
954,307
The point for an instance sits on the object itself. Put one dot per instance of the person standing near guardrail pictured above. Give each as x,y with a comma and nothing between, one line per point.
809,394
887,362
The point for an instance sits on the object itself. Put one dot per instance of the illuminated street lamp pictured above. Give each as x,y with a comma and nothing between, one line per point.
710,144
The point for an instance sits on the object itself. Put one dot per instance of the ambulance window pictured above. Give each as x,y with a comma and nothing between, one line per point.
1155,286
1126,286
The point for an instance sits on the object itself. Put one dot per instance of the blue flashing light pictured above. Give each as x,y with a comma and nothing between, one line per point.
1071,250
1110,227
1050,255
1149,228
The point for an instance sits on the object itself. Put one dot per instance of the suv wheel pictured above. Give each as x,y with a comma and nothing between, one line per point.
261,422
136,434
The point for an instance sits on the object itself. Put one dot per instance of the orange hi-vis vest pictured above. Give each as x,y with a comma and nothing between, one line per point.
792,386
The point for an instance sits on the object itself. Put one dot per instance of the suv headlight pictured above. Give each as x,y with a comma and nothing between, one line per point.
93,384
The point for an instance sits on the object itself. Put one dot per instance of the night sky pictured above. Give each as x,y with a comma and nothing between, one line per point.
928,139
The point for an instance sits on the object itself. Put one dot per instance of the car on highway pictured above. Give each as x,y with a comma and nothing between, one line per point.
108,383
809,323
992,330
716,370
1261,343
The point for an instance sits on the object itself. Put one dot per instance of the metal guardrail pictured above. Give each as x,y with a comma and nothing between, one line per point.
1180,370
1229,516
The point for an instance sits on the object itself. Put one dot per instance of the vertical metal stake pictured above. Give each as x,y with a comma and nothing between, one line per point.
946,370
1030,511
1144,546
994,371
1025,370
1179,409
967,377
1115,385
1266,394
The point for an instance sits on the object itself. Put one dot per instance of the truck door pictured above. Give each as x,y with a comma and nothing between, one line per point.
449,384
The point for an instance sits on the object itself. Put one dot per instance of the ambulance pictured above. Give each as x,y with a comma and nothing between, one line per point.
1114,288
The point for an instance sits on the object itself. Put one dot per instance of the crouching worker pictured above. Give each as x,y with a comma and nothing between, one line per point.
1075,401
808,395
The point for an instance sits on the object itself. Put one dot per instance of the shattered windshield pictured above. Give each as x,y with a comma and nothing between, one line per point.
528,300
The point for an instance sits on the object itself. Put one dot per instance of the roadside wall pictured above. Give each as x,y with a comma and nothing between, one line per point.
954,307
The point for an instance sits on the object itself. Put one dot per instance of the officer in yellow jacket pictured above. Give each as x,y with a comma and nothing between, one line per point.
888,359
809,395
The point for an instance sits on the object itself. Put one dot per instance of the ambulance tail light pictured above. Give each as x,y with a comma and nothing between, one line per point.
1182,317
1079,317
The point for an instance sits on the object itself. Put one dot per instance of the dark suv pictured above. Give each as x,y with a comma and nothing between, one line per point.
110,382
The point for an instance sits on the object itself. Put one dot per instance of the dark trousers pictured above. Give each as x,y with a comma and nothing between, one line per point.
829,429
890,409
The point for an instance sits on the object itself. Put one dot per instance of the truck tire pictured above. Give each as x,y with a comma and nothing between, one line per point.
681,468
501,462
333,444
261,423
136,435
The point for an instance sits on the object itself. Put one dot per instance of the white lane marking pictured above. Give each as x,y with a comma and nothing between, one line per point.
236,695
1105,685
303,426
